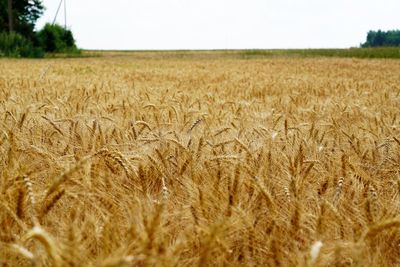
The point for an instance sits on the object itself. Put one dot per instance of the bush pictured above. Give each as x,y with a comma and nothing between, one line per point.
15,45
54,38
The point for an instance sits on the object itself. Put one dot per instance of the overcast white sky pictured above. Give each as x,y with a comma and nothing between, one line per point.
223,24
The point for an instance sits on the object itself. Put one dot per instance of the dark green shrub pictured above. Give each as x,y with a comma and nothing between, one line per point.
54,38
15,45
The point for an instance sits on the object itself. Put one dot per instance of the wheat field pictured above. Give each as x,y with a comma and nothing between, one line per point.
199,161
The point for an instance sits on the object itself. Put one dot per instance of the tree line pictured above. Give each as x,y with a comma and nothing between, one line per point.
382,38
18,37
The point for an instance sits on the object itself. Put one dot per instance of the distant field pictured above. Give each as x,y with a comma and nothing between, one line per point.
384,52
224,158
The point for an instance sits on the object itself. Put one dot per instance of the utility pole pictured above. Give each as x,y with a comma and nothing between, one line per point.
65,14
10,16
58,9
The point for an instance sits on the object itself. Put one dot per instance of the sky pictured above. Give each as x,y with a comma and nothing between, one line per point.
222,24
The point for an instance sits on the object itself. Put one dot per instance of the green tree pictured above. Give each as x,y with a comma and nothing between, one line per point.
25,13
18,37
382,38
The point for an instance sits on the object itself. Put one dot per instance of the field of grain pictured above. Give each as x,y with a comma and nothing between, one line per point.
199,161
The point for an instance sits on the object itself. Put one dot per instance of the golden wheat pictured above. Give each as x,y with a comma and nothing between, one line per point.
155,160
